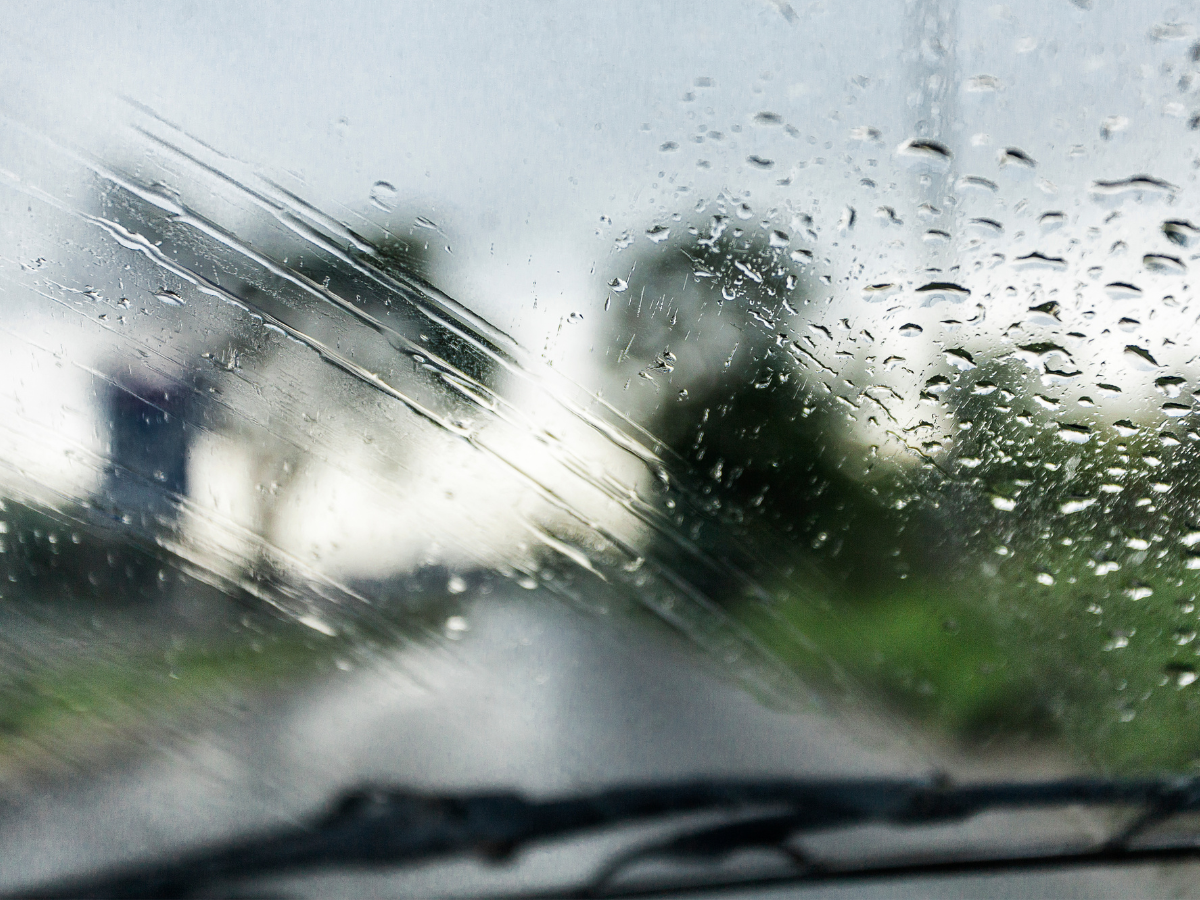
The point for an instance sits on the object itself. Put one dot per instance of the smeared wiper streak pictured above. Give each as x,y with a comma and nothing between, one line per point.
610,509
382,827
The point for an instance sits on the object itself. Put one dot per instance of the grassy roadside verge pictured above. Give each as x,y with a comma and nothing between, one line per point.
1105,671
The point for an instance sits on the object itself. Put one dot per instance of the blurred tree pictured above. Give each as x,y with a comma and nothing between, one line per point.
709,348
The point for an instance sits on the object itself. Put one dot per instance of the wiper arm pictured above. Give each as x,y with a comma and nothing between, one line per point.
388,827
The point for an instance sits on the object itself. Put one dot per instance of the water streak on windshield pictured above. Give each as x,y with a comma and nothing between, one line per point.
855,350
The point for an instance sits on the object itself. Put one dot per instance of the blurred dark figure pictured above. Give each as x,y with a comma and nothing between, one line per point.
149,448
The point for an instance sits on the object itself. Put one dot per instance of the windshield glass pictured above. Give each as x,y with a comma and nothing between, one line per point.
563,395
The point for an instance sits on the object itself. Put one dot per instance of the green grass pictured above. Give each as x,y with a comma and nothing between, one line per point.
104,645
78,711
1005,656
933,657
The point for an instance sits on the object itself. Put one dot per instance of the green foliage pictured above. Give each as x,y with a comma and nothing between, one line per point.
710,356
1104,669
988,595
921,649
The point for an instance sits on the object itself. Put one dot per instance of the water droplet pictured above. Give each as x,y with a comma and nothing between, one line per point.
1047,313
960,359
779,239
1113,125
1139,591
1137,186
317,624
383,195
658,233
456,627
1077,505
947,288
1121,290
456,584
575,318
768,118
1118,640
1157,262
664,364
1170,386
1052,221
980,84
866,133
1037,260
170,298
1141,359
1074,434
1040,356
1180,674
618,285
988,227
1171,31
929,154
1045,578
668,146
1011,156
910,329
759,161
875,292
1180,232
977,183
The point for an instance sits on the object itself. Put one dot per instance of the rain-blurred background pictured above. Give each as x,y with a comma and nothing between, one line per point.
846,353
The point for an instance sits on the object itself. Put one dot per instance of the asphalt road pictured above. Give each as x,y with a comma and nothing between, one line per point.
533,696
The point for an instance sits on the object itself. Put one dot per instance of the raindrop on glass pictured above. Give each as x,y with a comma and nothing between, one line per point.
383,195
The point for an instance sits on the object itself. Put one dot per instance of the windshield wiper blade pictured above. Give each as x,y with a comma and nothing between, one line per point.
375,827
